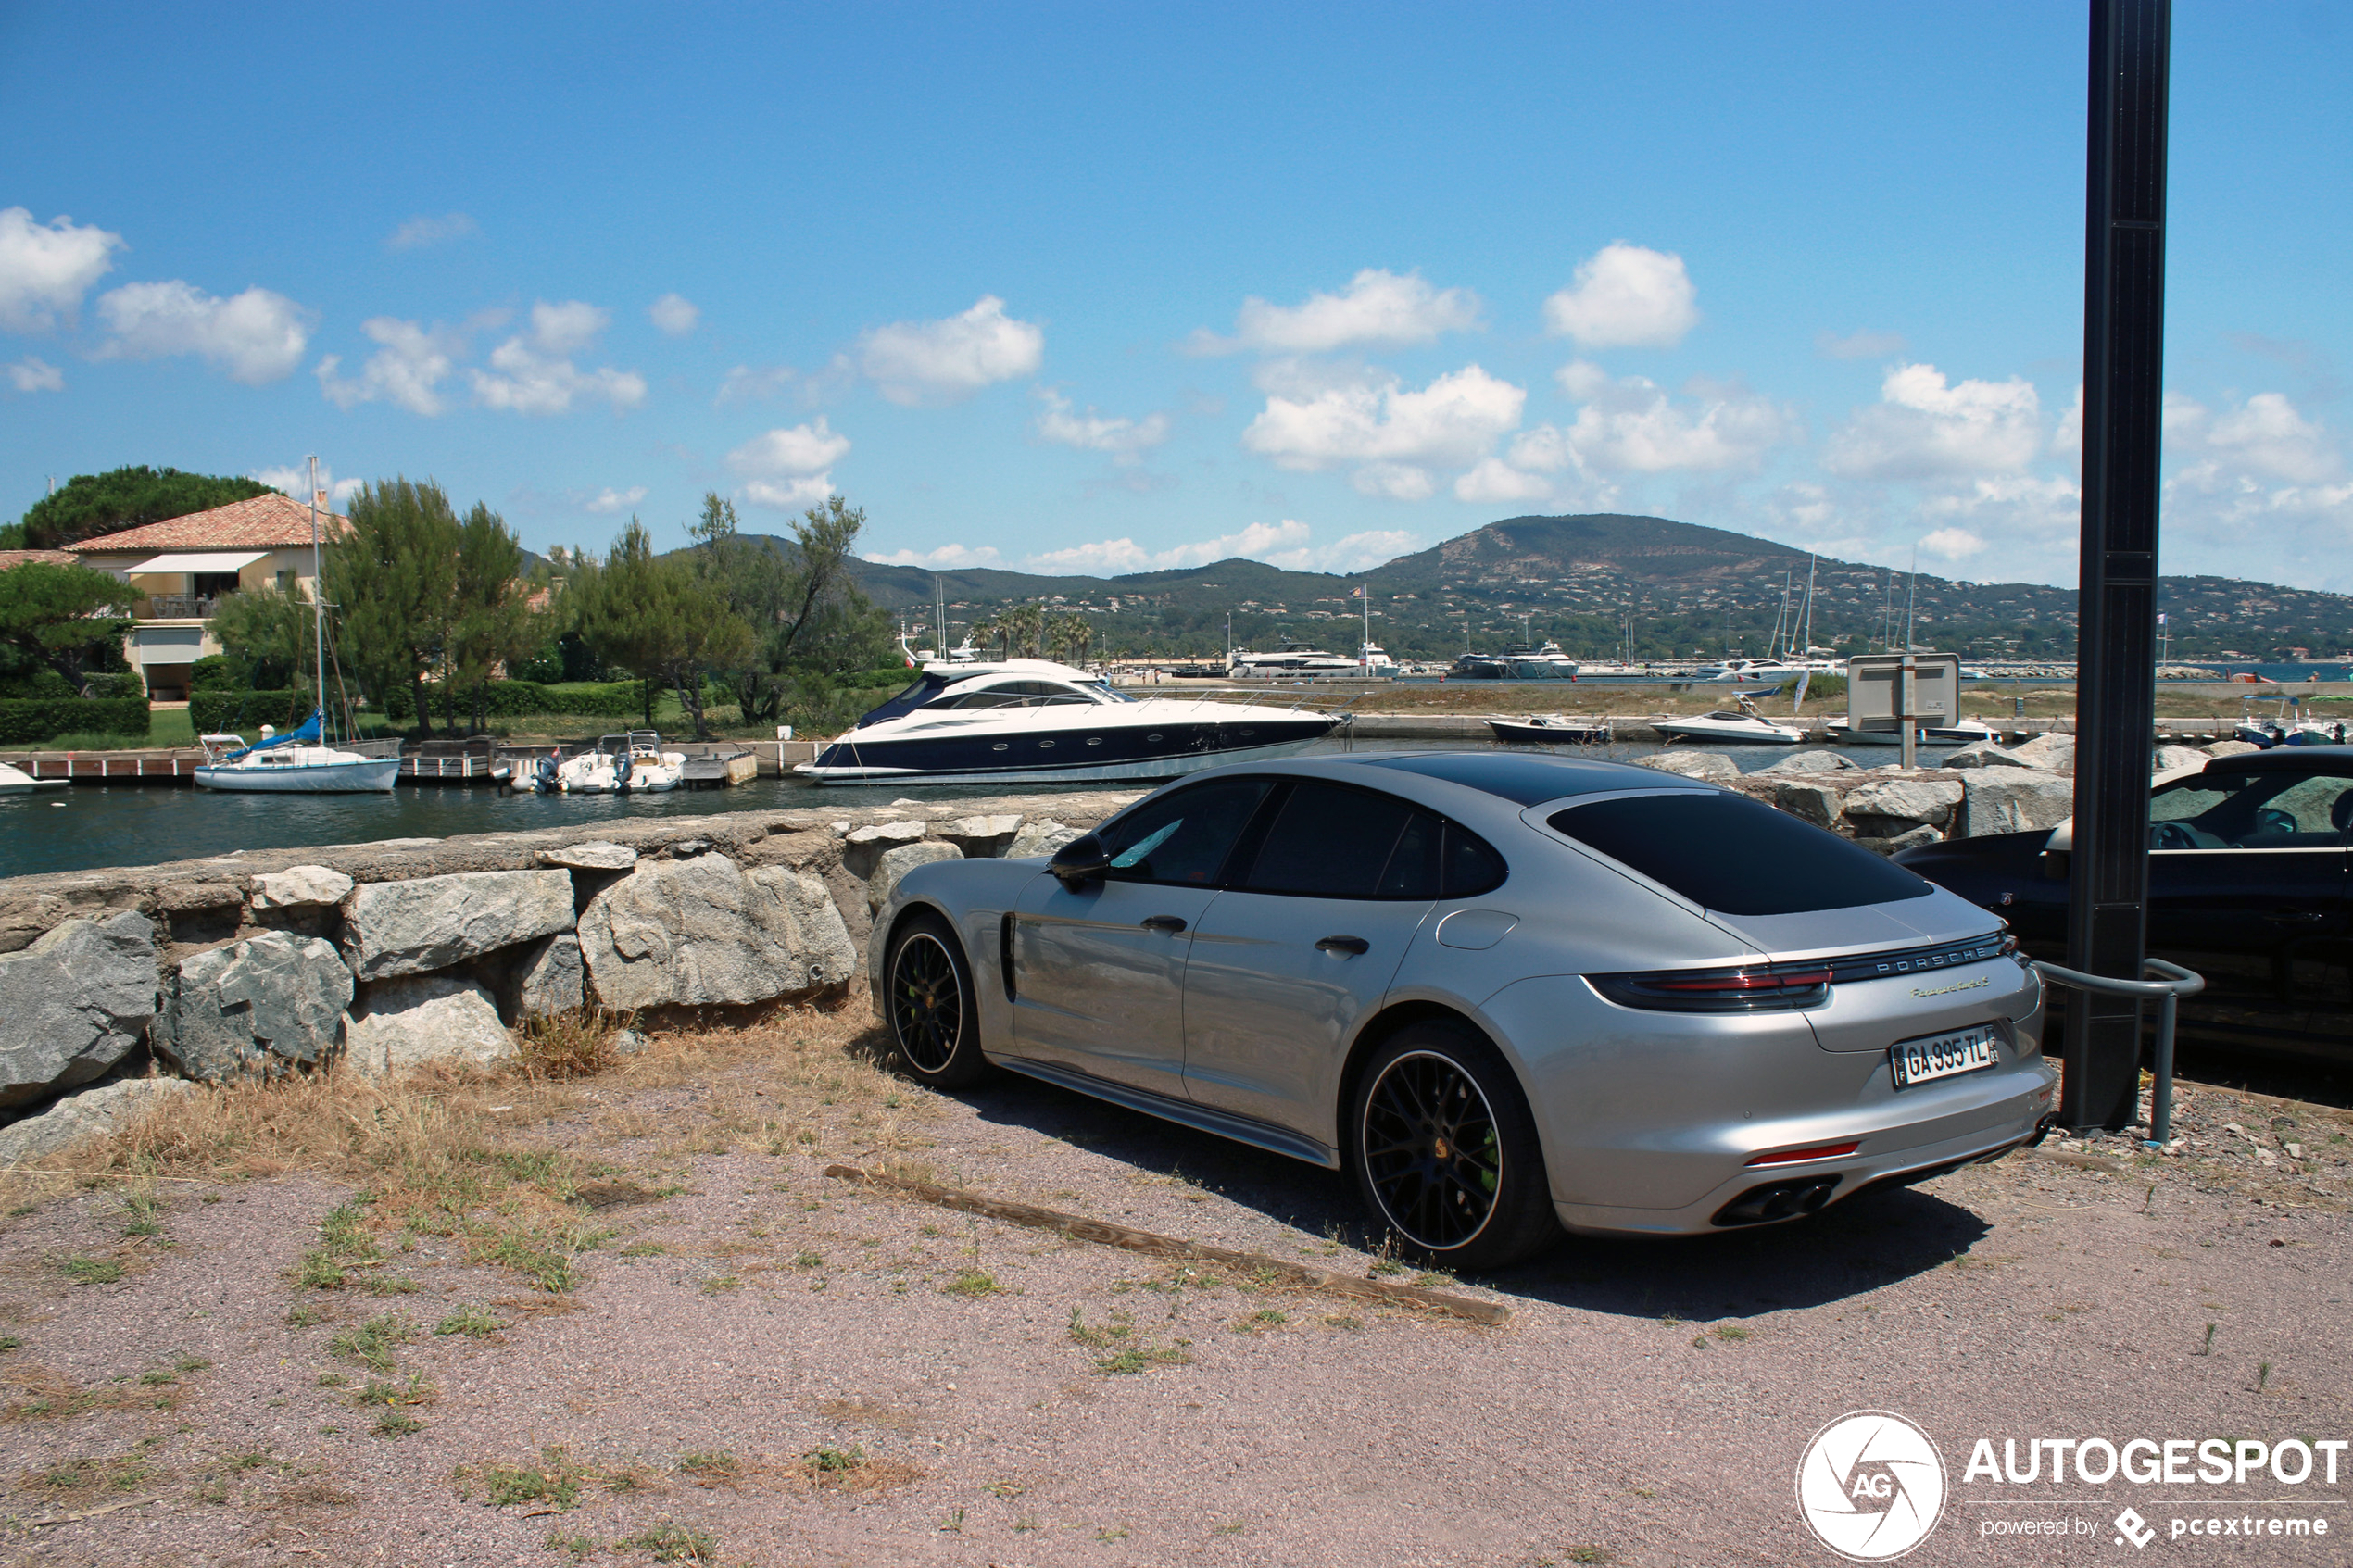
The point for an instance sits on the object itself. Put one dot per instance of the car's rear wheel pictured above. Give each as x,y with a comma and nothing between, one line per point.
934,1020
1445,1150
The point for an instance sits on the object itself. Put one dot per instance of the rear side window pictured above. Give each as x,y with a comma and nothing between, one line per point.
1327,842
1740,856
1182,836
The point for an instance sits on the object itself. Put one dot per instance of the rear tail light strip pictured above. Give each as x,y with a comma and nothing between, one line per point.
1782,987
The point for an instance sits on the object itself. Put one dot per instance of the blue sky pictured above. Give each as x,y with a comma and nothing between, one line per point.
1111,288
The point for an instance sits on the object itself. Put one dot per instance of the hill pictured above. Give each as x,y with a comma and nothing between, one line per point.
1605,582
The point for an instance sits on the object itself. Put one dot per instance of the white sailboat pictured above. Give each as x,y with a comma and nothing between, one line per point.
300,761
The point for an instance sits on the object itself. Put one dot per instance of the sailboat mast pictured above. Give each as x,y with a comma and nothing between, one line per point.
1806,614
318,603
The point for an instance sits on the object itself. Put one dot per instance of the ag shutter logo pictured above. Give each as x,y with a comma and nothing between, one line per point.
1871,1485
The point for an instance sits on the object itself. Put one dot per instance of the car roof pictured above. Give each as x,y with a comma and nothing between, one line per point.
1480,788
2287,759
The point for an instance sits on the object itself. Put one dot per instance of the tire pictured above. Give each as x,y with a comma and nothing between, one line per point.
1445,1151
933,1016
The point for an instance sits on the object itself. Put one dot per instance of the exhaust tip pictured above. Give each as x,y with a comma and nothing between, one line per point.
1777,1201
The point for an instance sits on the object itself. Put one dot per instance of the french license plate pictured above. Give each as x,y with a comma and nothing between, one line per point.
1942,1056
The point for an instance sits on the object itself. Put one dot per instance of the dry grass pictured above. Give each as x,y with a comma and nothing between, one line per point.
508,1158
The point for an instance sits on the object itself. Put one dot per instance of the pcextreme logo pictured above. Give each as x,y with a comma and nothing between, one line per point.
1870,1486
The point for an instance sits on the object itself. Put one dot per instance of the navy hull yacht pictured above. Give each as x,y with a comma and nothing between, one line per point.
1033,722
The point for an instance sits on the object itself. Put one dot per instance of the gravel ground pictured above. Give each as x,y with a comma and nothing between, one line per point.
756,1364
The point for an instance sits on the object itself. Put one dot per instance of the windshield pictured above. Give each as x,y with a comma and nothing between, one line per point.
2275,809
1102,689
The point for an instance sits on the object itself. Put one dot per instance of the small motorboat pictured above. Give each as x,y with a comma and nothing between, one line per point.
1553,729
16,781
633,763
1968,732
2288,727
1746,727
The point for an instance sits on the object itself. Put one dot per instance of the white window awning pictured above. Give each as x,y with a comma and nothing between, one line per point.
199,560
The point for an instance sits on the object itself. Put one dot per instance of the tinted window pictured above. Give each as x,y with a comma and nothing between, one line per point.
1523,781
1471,866
2275,809
1330,843
1740,856
1182,836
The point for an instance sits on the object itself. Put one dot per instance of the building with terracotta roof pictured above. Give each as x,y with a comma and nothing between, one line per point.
183,565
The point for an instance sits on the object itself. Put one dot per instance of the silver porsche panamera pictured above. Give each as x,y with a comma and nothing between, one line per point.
1512,995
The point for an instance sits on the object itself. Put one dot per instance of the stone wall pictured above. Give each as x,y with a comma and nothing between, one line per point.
409,951
402,951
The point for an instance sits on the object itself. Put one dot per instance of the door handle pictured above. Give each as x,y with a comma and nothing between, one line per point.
1164,922
1351,945
2294,917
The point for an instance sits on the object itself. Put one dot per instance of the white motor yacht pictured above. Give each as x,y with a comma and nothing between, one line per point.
1374,660
16,781
1034,722
1291,659
297,763
633,763
1739,728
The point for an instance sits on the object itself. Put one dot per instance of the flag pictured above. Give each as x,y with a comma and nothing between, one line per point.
1357,592
2160,617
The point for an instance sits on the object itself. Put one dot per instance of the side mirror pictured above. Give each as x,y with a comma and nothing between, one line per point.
1081,859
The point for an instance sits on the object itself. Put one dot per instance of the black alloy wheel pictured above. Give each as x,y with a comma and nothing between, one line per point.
934,1021
1446,1151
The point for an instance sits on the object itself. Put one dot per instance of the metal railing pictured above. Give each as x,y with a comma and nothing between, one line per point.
2174,982
177,607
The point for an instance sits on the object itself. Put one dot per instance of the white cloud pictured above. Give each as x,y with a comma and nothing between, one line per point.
744,383
612,501
675,314
1923,429
1288,544
532,373
1860,346
1126,440
1632,426
789,495
1393,434
34,373
523,381
295,479
935,362
797,449
1952,544
419,233
2266,435
1494,480
1376,307
948,557
255,336
409,369
785,468
46,268
1626,297
568,327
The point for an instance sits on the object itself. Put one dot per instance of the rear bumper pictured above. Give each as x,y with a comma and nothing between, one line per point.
2013,1114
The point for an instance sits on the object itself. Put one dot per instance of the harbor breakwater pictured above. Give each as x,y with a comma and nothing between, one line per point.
124,985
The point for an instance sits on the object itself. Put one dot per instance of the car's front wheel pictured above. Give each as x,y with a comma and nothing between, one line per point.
1445,1150
934,1020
